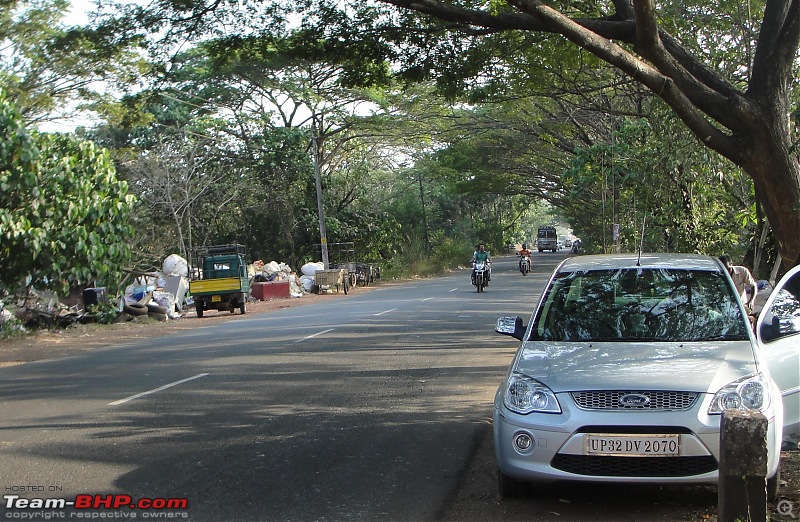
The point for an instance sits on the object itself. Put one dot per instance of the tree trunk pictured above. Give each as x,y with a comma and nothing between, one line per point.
776,177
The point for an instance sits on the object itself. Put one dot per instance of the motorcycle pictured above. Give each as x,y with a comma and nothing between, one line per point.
576,247
480,275
525,264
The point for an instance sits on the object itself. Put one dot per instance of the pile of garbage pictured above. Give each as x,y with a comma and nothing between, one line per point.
41,309
260,272
161,295
308,279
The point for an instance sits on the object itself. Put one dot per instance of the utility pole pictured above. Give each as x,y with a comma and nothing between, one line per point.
323,236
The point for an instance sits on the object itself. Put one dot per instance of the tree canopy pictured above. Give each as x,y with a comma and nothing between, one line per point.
724,71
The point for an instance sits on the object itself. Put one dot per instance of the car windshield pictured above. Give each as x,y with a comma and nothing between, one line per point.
639,304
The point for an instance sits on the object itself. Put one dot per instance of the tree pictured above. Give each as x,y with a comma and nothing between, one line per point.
174,178
738,104
63,213
52,72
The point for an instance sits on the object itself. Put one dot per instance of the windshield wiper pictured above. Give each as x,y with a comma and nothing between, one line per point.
725,337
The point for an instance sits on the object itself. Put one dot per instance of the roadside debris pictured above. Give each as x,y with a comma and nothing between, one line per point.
159,294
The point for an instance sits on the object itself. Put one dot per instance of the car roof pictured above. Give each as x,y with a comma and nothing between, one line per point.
645,260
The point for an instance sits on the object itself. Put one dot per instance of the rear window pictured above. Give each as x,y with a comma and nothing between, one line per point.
639,304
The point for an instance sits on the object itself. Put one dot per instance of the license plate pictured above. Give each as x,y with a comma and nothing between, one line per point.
632,445
216,298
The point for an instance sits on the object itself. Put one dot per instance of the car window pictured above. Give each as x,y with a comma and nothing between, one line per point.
783,317
640,303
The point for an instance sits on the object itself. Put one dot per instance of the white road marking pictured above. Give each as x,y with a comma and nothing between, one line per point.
170,385
385,312
315,335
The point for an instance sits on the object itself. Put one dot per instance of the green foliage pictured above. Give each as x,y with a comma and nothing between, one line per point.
47,68
448,254
663,189
63,213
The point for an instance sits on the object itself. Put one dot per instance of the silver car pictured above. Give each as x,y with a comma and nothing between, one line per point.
778,332
624,371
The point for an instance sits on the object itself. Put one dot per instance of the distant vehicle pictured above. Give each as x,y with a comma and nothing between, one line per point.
547,239
566,242
220,280
625,369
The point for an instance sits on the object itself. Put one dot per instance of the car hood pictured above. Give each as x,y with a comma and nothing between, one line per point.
698,366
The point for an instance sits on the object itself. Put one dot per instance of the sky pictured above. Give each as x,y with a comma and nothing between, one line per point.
77,15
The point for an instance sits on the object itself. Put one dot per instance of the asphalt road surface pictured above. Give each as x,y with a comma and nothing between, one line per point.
366,408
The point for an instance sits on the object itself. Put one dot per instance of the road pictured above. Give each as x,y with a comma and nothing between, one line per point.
367,408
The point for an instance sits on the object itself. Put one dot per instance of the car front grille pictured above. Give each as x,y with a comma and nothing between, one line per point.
609,466
656,400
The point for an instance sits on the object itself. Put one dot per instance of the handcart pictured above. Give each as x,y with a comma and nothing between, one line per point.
338,278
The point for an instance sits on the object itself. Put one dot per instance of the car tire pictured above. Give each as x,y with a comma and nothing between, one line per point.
509,486
135,309
773,484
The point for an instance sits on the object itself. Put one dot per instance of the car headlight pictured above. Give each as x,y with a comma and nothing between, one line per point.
525,395
748,393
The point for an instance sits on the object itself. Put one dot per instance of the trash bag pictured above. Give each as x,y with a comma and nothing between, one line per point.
176,265
309,269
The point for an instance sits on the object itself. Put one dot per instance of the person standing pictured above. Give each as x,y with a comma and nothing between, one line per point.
745,284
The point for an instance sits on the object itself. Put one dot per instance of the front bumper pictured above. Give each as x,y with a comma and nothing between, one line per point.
558,445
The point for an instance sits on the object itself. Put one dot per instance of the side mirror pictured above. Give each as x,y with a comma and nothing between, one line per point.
510,326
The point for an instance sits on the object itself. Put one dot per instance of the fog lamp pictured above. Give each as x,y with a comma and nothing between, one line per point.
523,442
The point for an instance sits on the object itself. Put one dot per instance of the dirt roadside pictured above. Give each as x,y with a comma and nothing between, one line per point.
62,342
476,497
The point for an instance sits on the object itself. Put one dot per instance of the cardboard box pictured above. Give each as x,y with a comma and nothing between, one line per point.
270,290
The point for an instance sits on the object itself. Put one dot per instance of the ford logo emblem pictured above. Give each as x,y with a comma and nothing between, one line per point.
634,399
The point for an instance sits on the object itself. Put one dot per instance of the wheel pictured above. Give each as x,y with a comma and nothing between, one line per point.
135,309
510,487
773,483
243,306
198,308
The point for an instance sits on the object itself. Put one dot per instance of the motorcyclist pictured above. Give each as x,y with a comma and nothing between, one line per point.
483,255
525,255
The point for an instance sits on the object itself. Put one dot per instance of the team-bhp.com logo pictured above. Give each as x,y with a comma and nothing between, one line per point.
96,502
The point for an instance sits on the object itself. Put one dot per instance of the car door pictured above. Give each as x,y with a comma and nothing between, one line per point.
778,334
